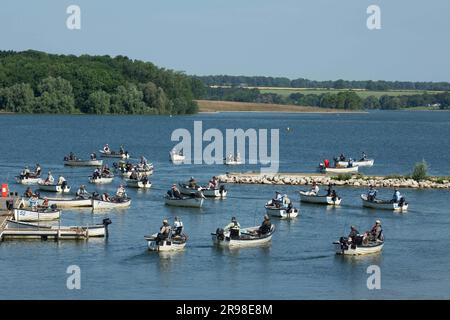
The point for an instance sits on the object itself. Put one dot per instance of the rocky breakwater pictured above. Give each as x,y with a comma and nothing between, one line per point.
321,179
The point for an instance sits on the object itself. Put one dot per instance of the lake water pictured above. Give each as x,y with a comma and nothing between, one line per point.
299,264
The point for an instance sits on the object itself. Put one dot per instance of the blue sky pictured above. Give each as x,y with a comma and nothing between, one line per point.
316,39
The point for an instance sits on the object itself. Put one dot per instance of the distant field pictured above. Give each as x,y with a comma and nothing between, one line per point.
231,106
362,93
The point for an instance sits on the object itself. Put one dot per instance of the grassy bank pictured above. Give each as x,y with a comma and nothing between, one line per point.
231,106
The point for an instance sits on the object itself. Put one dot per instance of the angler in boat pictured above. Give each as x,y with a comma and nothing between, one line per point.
234,228
121,192
177,226
28,193
164,232
193,183
314,191
49,179
93,156
278,200
266,226
82,193
173,192
372,193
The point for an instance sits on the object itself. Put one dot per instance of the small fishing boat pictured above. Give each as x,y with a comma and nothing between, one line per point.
140,172
192,202
133,183
219,192
53,187
174,243
249,237
31,180
384,204
113,204
327,200
176,156
338,170
114,154
342,247
17,229
36,215
83,163
68,203
359,163
103,179
281,211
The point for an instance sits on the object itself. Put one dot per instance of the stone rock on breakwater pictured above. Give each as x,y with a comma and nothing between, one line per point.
355,181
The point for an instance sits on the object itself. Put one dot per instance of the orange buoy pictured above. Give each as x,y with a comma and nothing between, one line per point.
4,190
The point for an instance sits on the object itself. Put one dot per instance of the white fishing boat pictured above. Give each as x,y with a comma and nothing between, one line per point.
102,179
174,243
83,163
36,215
140,173
327,200
192,202
281,212
338,170
133,183
114,154
27,180
359,163
68,203
219,192
344,248
176,156
113,204
249,237
53,187
233,162
17,229
384,204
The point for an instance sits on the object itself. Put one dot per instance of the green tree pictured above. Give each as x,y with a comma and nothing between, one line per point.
17,98
98,102
55,96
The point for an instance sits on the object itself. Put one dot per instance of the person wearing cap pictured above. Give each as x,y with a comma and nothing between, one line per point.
278,200
177,226
314,189
174,192
62,181
121,193
353,233
82,192
376,233
397,196
192,183
50,179
234,227
265,226
372,193
37,170
164,231
93,156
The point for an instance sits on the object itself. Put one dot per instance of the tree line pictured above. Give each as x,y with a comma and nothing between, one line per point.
341,100
380,85
37,82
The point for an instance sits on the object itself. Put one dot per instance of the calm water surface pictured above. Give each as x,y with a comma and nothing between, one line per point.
300,262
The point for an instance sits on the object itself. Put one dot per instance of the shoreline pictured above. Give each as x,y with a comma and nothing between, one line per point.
323,179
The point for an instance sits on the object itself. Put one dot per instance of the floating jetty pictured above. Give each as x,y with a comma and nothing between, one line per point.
324,179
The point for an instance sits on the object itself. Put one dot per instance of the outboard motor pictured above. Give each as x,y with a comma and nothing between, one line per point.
106,222
220,234
53,207
222,189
